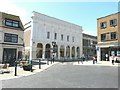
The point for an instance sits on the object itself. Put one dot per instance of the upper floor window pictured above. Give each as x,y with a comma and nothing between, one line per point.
62,37
55,37
48,35
113,35
72,39
103,37
103,25
113,22
85,42
11,23
67,38
10,38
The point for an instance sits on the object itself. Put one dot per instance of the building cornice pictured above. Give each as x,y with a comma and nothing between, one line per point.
108,15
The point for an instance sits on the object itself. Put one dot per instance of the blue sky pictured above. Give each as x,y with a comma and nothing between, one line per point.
84,14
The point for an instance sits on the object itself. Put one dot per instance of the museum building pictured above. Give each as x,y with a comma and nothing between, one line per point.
45,36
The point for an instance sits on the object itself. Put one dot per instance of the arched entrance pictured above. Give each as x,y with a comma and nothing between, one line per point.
56,48
78,52
47,51
73,52
62,52
68,52
39,50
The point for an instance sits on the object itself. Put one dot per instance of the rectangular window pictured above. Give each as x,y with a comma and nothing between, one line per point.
85,42
15,24
67,38
113,22
11,23
48,35
103,37
8,22
10,38
113,35
103,25
62,37
72,39
55,37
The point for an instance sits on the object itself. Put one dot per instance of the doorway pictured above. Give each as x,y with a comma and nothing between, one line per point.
104,51
9,56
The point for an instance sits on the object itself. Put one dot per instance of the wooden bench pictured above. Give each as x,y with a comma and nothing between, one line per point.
4,68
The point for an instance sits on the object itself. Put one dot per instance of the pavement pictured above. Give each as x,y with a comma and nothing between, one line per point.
99,63
22,73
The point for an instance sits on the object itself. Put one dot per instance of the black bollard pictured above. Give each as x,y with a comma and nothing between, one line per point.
47,62
39,63
31,67
15,68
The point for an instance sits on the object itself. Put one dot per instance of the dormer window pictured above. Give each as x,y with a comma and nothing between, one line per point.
11,23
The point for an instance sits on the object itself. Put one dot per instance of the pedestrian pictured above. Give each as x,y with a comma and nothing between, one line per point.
113,59
83,57
94,59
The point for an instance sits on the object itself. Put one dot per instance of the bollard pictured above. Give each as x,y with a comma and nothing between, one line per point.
39,63
15,68
51,61
31,66
78,61
47,62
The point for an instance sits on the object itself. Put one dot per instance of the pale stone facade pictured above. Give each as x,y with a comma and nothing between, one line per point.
43,30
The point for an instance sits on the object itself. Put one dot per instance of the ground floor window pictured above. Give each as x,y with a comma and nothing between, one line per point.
9,56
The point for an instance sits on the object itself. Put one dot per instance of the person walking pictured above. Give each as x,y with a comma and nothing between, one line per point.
83,57
113,59
94,59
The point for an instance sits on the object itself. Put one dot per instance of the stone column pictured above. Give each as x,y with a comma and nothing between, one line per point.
64,51
43,53
98,54
75,52
70,52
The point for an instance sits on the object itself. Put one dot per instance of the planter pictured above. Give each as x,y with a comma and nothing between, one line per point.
27,67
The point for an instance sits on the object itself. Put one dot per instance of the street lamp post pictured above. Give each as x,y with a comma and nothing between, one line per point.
54,50
15,68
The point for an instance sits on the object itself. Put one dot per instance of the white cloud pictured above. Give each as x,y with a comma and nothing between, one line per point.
8,6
